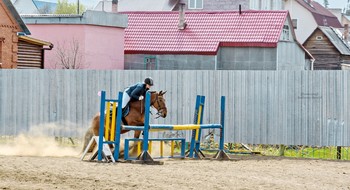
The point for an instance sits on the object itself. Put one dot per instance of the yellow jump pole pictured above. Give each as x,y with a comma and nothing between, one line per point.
172,149
199,115
107,127
138,147
150,147
114,114
161,148
197,134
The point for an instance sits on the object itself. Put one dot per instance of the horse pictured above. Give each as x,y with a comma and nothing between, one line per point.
135,117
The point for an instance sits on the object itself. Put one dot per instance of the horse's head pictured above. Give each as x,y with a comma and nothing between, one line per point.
158,102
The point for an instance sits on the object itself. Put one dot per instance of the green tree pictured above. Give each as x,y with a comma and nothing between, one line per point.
64,7
325,2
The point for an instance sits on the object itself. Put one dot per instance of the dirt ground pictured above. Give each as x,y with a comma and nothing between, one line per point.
42,169
29,172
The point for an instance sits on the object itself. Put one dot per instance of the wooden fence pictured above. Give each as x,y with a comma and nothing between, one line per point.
263,107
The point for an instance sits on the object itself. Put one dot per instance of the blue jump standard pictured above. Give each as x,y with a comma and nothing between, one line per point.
145,156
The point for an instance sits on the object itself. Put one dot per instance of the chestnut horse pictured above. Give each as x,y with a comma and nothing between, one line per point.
135,117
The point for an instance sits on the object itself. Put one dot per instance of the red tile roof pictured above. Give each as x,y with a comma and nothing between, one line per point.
150,32
322,16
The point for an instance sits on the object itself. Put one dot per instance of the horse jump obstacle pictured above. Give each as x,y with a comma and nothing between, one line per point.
197,120
109,139
161,140
196,131
111,135
108,134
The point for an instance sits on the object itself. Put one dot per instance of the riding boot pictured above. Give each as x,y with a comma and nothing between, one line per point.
123,109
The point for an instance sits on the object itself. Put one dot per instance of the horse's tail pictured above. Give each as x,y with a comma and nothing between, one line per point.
93,130
87,138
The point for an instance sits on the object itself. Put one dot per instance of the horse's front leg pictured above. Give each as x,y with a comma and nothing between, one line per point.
137,134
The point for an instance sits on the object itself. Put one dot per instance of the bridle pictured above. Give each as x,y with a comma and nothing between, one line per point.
160,109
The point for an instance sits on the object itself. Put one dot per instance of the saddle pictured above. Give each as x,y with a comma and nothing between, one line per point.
125,112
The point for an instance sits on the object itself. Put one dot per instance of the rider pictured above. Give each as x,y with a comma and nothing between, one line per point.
136,91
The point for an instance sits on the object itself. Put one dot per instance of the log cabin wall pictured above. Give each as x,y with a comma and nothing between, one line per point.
327,57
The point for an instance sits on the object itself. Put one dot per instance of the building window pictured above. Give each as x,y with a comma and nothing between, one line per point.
150,63
195,4
295,23
285,34
319,38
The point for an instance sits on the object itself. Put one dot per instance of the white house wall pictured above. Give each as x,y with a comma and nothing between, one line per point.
287,56
26,7
306,22
145,5
291,57
171,62
247,58
266,4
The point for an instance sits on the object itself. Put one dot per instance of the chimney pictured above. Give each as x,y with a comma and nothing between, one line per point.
240,9
114,6
346,33
182,23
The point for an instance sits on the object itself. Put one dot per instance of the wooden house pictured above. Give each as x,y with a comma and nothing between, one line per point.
306,15
11,25
17,49
230,40
31,52
330,51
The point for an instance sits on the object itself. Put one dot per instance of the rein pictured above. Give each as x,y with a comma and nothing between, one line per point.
160,108
152,104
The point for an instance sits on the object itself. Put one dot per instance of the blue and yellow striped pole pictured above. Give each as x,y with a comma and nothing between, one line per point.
107,118
102,123
197,120
118,126
113,126
145,153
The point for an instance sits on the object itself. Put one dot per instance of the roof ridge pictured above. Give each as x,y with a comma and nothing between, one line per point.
203,12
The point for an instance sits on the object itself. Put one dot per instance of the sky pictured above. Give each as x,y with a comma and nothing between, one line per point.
88,3
334,3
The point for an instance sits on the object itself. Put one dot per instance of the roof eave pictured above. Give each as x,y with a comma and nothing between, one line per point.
170,52
34,41
249,44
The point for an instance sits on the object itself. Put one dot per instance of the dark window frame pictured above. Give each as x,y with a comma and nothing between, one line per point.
150,63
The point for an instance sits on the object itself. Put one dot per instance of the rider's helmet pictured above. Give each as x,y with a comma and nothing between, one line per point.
149,81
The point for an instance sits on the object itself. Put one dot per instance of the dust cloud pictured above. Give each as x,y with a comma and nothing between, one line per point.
36,142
